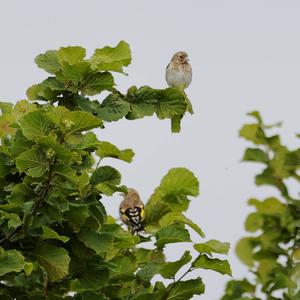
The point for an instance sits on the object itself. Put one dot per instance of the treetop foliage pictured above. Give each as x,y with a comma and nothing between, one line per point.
56,239
272,250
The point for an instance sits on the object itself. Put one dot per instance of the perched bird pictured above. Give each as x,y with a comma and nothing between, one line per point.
179,71
179,75
132,211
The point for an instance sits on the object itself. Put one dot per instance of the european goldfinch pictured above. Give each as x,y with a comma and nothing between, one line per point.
132,211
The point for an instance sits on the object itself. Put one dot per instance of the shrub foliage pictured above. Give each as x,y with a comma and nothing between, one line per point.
56,240
272,251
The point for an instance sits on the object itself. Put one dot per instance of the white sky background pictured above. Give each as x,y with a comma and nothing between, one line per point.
245,56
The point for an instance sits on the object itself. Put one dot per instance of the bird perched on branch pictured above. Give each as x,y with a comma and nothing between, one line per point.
179,75
179,71
132,211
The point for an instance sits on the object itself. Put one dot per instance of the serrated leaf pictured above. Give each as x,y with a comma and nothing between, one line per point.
214,264
169,269
173,218
67,173
212,246
70,54
46,233
106,174
78,121
255,155
180,181
49,143
146,273
113,108
99,242
253,133
171,102
172,234
11,261
32,162
93,278
76,72
112,58
95,83
55,261
106,149
142,102
35,125
184,290
48,61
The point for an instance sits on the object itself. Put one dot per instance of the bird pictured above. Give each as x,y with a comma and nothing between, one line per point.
179,75
179,71
132,211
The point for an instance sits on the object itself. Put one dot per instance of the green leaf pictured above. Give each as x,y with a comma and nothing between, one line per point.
93,278
112,58
95,83
13,220
169,269
270,206
180,181
244,250
254,222
67,173
253,133
146,273
55,261
99,242
35,125
142,102
184,290
106,149
212,246
32,162
75,72
49,143
236,288
46,233
78,121
172,234
106,174
113,108
173,218
171,102
70,54
256,155
214,264
11,261
48,61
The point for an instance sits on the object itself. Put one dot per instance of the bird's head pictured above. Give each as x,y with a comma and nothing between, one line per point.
180,57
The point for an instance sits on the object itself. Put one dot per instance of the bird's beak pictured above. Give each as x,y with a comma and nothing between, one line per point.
186,60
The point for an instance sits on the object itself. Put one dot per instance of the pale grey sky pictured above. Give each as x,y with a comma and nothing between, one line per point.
245,56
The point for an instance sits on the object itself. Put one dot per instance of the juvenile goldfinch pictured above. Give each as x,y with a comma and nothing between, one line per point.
132,211
179,71
179,75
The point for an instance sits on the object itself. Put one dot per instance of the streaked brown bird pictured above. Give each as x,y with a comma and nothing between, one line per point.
179,74
179,71
132,211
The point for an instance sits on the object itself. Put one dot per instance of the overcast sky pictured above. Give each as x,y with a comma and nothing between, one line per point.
245,55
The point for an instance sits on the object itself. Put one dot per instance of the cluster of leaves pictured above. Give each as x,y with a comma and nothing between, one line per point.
56,240
273,253
74,78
